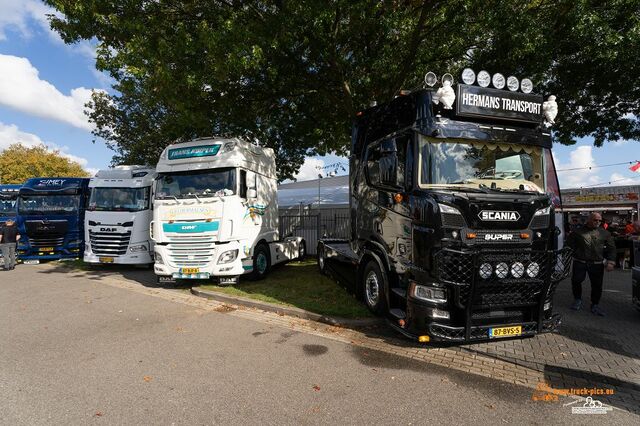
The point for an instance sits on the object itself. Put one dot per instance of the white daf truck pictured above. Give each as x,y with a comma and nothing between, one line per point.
216,212
118,216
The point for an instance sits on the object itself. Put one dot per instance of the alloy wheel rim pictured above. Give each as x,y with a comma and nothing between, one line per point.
372,288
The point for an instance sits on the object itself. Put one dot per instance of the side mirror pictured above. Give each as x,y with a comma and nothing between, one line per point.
252,193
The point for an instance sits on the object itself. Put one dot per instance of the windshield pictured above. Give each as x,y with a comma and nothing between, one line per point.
7,207
192,184
119,199
48,204
509,167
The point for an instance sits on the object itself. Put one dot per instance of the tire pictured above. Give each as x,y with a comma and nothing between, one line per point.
261,262
322,264
302,251
374,288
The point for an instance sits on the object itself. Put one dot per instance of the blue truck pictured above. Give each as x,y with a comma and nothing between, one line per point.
51,218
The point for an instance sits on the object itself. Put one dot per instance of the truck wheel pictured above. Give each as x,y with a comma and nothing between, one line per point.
261,262
302,250
322,267
373,288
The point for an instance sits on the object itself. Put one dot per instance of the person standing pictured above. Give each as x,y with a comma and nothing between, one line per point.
8,239
591,245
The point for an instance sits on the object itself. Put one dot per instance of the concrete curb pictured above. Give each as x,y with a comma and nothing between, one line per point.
286,310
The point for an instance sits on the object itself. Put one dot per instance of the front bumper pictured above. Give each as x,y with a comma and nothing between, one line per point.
57,253
475,305
209,269
141,258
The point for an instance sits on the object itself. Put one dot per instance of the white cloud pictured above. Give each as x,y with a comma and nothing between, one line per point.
617,179
22,89
19,15
313,166
581,159
10,134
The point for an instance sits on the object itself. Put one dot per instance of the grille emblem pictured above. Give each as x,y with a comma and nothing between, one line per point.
502,216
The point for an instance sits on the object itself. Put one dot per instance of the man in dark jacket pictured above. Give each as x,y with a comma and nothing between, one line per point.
8,238
593,251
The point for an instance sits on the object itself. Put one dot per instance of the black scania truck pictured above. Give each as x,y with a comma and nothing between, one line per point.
453,235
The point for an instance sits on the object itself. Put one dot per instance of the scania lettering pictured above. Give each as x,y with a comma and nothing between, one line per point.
216,214
51,218
452,200
118,216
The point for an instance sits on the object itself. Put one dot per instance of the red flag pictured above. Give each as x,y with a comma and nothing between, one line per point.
635,167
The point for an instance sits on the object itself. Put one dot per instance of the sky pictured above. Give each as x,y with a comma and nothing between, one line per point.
45,83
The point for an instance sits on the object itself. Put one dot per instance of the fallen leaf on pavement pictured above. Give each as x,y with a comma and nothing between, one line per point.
316,387
98,414
147,378
491,406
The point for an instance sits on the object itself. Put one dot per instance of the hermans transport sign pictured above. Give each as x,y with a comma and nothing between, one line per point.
193,151
483,102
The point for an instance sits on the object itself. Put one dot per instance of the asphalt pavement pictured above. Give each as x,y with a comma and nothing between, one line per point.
80,349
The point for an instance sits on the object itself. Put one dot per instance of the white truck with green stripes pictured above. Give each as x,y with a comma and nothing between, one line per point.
215,212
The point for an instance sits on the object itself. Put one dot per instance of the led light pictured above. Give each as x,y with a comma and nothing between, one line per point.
444,208
502,270
485,271
430,294
454,234
439,313
430,79
484,78
424,339
512,83
228,256
533,269
517,270
137,248
547,306
471,235
447,77
539,234
498,81
526,85
468,76
544,211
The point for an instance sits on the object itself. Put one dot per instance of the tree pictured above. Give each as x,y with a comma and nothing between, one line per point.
19,163
292,74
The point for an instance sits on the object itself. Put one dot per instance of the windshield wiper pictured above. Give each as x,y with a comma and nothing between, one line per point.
481,189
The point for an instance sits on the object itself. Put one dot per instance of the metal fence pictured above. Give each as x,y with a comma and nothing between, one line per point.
312,227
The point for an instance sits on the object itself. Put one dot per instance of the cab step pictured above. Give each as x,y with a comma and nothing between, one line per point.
398,314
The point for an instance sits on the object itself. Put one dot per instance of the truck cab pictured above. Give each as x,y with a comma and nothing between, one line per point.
118,216
51,218
453,232
8,202
216,213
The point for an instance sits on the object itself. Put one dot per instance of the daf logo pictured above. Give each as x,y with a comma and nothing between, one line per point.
188,227
108,229
499,216
498,237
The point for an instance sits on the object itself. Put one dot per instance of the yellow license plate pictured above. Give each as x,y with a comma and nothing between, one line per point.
106,260
188,271
46,249
505,331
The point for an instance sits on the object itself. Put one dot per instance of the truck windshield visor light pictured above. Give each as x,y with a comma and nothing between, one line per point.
430,294
468,76
484,78
526,85
228,256
541,212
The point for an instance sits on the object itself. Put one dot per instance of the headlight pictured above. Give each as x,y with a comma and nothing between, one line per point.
533,270
517,270
512,83
444,208
485,270
484,78
228,256
468,76
158,258
526,85
138,248
502,270
438,313
498,81
430,294
541,212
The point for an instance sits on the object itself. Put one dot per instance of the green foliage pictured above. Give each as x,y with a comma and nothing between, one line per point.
292,74
19,163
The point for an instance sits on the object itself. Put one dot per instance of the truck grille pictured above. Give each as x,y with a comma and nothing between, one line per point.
48,241
109,244
191,251
462,269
